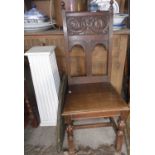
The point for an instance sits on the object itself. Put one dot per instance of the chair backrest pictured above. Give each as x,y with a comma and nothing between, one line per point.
88,43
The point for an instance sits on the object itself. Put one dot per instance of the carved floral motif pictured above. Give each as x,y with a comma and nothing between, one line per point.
87,25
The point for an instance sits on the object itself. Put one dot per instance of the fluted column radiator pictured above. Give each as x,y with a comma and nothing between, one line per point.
46,82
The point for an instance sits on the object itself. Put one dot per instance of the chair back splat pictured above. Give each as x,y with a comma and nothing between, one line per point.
88,41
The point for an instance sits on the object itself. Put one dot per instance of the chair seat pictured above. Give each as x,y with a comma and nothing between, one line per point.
94,97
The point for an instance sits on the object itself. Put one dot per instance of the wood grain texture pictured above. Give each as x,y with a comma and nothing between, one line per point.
42,40
88,29
89,98
99,60
77,60
118,60
84,24
60,32
121,4
85,126
60,128
119,49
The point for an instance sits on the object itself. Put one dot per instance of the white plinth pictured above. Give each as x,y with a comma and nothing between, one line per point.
46,82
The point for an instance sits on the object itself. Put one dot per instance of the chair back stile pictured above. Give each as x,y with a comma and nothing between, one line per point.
85,33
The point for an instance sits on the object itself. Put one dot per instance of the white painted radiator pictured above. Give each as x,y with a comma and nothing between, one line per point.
46,81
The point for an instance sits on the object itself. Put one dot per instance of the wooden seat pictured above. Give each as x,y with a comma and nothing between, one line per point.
93,98
88,60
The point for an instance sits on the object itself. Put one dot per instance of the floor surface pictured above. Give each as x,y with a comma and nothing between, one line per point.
41,140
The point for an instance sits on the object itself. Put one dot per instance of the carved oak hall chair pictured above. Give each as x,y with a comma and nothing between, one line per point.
90,94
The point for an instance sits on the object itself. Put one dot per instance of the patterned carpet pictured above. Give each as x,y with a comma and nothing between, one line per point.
50,150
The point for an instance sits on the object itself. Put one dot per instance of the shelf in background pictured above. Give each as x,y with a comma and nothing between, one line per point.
60,32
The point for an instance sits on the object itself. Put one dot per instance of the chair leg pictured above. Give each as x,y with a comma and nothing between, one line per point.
120,134
71,146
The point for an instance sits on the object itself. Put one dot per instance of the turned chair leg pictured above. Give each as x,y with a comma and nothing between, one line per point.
71,146
120,134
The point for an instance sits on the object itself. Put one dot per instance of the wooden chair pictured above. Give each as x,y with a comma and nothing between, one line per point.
90,94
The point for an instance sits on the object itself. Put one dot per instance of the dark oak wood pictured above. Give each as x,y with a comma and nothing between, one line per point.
119,50
70,136
84,126
94,97
120,131
31,114
56,37
27,4
113,124
87,30
60,128
91,95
